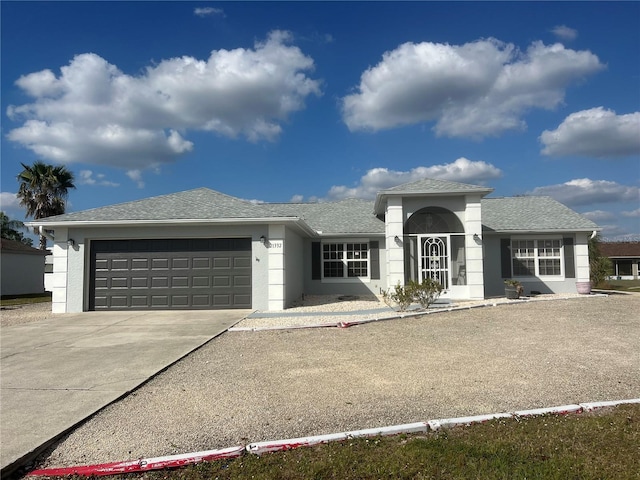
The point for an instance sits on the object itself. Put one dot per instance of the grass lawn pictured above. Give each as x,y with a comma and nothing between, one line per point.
8,300
598,445
624,285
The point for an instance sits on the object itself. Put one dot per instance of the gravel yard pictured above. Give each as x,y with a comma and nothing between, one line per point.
20,314
247,386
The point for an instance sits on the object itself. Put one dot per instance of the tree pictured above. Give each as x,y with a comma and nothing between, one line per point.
43,191
10,230
599,265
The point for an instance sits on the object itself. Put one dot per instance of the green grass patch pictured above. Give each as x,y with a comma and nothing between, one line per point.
580,446
621,285
8,300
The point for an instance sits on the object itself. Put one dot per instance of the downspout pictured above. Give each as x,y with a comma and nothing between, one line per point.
593,235
45,233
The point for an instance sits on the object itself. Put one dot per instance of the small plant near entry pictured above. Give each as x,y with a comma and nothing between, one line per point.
402,296
427,292
513,288
424,293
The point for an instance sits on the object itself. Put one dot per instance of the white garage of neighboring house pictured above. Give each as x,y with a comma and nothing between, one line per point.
204,249
22,268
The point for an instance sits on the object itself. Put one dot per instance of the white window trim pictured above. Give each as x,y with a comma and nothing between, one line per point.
545,278
344,242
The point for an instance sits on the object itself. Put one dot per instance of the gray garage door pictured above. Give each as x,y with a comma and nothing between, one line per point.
154,274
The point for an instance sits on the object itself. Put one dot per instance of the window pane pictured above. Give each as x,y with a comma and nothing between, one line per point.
332,251
549,266
523,267
333,269
357,269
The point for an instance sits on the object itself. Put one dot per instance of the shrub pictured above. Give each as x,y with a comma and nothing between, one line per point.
424,293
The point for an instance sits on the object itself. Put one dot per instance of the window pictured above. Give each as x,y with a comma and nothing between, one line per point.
536,257
345,260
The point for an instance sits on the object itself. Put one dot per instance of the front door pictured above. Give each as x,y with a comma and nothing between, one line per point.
434,259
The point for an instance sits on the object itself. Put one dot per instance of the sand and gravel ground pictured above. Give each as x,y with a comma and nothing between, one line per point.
247,386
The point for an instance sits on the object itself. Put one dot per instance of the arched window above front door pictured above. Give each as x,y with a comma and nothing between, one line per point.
433,220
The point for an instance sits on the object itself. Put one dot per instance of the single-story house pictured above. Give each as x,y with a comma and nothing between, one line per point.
625,258
22,268
204,249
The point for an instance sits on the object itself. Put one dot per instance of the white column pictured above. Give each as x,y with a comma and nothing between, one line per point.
60,272
582,257
473,241
394,226
276,246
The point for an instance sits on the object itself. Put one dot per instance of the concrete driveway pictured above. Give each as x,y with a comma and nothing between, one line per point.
57,372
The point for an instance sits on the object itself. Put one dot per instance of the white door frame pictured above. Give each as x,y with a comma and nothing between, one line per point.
435,261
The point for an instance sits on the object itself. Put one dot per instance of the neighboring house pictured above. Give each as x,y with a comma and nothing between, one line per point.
625,258
22,268
203,249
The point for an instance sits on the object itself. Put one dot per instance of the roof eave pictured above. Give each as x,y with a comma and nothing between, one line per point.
489,230
381,196
297,221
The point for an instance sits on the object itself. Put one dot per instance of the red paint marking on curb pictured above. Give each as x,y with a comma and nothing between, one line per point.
259,448
142,465
174,461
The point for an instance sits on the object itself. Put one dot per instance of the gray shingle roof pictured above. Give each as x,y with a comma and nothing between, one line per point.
432,185
198,204
529,214
351,216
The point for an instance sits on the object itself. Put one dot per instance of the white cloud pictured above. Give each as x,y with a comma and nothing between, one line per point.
584,191
632,213
208,11
565,33
136,176
86,177
297,199
596,133
94,113
477,89
9,201
376,179
599,215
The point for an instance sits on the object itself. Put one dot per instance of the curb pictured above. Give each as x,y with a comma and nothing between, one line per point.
259,448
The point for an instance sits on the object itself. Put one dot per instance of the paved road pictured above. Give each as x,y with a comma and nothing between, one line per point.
57,372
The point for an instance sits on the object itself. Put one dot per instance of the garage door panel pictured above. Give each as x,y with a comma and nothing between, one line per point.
140,264
159,274
177,282
201,282
139,282
221,262
221,281
119,282
180,263
241,280
159,264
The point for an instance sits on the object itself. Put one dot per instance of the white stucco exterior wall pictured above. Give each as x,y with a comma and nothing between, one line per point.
276,248
473,244
394,226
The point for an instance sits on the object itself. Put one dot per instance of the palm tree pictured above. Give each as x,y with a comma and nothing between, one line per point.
11,229
43,191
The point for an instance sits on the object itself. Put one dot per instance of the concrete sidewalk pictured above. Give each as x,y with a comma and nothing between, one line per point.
57,372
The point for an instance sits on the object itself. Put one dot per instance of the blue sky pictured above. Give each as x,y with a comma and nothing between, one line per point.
308,101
